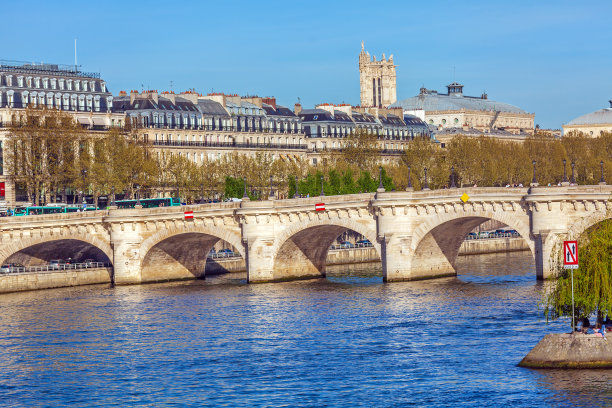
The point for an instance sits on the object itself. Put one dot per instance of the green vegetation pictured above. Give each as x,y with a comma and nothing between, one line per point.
592,281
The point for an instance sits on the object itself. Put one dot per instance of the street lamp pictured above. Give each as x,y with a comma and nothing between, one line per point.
573,180
564,171
452,178
426,185
534,181
271,197
602,180
322,192
138,194
112,203
380,183
245,195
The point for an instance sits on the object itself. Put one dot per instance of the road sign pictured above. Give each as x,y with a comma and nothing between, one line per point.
570,254
189,215
320,207
464,197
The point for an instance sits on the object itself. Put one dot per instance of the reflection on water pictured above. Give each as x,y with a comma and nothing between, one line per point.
345,340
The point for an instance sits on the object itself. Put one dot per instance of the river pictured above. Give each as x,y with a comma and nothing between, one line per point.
348,340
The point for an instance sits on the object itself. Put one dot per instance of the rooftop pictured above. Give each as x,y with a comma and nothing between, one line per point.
599,117
430,100
45,69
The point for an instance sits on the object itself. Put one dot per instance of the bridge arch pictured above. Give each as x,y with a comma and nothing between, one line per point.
436,242
34,251
300,251
181,252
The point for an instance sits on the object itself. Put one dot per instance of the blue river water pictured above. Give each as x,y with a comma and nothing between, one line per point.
348,340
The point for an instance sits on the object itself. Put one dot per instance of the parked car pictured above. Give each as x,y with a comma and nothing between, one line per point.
346,244
472,235
6,268
225,252
483,234
89,263
56,263
363,242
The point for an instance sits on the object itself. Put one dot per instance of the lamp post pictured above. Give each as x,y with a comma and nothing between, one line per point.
297,188
381,187
426,185
322,192
534,181
138,195
452,178
84,176
602,180
245,195
573,180
564,172
112,203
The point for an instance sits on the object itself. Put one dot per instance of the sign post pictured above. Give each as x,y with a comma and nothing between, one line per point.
570,261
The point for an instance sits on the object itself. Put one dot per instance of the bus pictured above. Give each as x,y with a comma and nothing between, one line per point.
150,202
51,209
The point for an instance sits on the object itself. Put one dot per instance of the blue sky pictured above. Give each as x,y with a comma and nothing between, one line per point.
553,58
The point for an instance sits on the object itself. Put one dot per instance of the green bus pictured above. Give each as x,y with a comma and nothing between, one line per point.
50,209
150,202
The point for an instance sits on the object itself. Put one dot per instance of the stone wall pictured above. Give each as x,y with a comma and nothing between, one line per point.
59,279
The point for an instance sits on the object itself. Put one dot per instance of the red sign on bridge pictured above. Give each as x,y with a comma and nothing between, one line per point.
570,254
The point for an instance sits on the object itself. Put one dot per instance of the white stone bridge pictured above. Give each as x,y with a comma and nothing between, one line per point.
416,234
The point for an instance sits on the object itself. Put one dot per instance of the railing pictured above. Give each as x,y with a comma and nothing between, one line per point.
492,235
221,129
181,143
224,255
17,270
352,246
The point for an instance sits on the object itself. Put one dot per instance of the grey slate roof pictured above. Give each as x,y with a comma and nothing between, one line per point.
602,116
443,102
210,107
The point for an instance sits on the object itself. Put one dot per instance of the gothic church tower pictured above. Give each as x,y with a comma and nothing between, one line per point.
377,80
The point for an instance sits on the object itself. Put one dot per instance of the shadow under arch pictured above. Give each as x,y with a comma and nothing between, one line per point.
39,254
301,251
177,255
436,247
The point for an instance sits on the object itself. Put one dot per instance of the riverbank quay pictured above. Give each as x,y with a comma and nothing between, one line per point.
20,282
570,350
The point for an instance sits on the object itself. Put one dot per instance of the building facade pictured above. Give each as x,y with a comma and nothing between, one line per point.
592,124
377,80
83,95
456,110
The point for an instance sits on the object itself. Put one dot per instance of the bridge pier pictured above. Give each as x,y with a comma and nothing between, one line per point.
126,256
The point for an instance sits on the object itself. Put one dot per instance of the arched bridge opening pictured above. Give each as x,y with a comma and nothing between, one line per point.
190,255
437,250
306,253
56,254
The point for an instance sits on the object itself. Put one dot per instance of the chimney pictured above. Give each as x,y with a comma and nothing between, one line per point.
133,94
270,101
297,109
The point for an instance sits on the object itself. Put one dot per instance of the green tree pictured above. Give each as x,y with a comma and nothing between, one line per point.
592,281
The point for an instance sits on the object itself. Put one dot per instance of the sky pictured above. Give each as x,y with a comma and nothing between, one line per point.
551,58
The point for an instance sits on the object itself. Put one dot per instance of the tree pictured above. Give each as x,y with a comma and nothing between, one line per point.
592,281
41,151
361,149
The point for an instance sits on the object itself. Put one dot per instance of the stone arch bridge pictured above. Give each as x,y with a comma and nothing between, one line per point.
416,234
